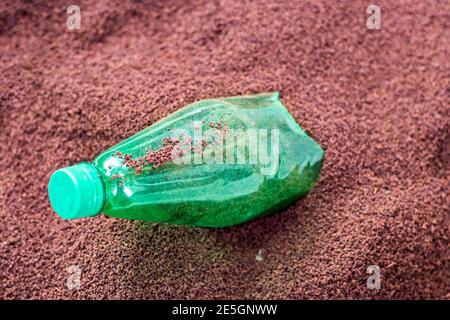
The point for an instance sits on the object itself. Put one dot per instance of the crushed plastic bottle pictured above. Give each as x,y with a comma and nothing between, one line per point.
213,163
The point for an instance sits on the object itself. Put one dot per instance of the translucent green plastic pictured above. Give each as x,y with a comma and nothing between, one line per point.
212,194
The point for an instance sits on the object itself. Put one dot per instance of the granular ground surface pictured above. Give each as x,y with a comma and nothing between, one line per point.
376,100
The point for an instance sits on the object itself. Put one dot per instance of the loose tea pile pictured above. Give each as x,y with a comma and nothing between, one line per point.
376,99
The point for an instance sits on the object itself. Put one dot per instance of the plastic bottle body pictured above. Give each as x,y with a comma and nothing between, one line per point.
241,158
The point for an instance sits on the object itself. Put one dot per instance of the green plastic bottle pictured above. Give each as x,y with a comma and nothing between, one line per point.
213,163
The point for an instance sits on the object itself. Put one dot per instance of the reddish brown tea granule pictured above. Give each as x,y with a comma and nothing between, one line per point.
154,158
376,100
169,141
138,170
215,125
115,176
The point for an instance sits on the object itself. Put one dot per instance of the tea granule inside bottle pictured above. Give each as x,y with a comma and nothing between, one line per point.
165,154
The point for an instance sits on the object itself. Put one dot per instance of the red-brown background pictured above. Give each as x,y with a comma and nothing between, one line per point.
378,102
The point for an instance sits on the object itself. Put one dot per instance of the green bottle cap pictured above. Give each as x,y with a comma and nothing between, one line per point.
76,191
